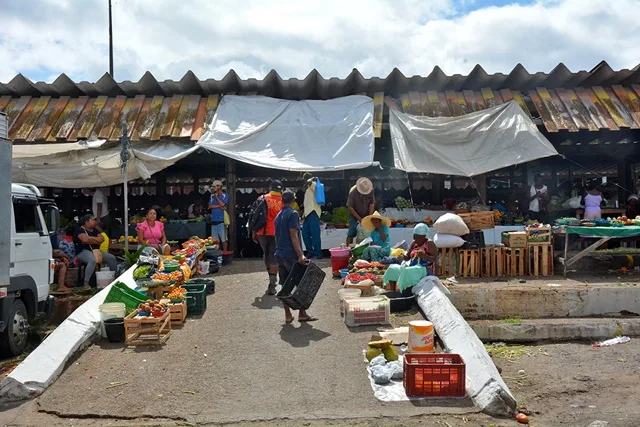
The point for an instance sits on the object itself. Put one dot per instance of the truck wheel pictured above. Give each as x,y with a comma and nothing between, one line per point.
13,339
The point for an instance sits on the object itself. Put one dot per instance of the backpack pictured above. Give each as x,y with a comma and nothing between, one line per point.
257,215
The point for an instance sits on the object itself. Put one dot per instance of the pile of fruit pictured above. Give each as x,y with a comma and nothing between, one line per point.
168,277
177,294
187,252
357,277
402,203
156,308
376,348
131,239
399,222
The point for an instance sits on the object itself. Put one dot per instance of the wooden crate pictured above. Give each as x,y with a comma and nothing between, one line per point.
447,262
477,221
147,330
492,261
515,261
541,236
514,239
177,311
469,263
541,260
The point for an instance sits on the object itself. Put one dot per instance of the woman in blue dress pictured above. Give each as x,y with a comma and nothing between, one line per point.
380,234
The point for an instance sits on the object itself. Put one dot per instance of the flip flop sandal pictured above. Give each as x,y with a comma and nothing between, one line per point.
308,319
288,321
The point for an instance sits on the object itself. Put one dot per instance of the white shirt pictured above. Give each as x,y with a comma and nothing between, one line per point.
310,204
534,205
99,198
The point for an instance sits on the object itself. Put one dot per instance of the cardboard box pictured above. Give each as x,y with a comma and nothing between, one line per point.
514,239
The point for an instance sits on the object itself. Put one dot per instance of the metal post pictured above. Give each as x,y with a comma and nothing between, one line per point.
110,42
124,160
5,209
231,206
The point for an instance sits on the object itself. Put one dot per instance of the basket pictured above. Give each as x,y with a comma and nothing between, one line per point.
400,302
122,293
367,311
210,284
301,286
196,298
434,375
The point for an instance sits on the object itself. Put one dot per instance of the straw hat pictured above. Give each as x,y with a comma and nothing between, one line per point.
368,223
364,186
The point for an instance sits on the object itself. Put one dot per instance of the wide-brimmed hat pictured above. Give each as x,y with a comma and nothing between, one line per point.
368,223
364,186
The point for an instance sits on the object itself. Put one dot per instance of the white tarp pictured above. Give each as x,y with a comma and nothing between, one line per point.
468,145
336,134
79,165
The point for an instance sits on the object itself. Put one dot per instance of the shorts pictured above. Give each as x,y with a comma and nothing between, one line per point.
219,232
268,245
353,227
285,265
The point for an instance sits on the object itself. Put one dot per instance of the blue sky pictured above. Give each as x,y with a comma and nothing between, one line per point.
44,38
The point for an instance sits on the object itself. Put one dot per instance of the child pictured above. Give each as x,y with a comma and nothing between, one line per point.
422,251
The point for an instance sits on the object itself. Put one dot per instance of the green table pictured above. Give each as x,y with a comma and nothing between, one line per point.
603,234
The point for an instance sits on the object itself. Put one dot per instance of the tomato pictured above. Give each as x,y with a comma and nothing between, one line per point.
522,419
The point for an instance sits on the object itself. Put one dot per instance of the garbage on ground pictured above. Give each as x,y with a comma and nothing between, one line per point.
580,405
612,341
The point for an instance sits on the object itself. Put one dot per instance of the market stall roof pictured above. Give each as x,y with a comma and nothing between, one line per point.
68,111
310,135
76,165
468,145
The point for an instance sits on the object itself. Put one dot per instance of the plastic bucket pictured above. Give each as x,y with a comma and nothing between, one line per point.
347,293
115,329
421,338
104,278
108,311
344,273
339,260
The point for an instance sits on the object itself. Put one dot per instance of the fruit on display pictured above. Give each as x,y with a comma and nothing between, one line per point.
131,239
175,275
390,353
177,293
142,272
151,305
381,344
163,219
372,353
402,203
357,277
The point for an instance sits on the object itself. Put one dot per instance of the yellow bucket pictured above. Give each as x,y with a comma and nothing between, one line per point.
421,338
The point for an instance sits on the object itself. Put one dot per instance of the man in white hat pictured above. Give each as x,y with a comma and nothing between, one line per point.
361,203
218,205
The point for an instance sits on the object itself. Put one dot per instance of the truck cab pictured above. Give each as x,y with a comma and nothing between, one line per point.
33,224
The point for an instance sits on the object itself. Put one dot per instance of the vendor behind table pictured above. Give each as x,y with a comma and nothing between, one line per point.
361,203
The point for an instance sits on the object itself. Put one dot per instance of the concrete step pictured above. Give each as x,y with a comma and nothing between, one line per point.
555,330
552,297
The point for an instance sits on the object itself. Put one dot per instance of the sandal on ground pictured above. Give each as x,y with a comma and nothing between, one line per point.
308,319
288,321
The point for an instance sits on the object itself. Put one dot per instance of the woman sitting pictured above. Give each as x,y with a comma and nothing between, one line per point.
380,234
87,240
422,251
151,233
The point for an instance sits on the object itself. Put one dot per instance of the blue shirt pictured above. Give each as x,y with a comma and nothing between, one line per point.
287,219
217,214
377,238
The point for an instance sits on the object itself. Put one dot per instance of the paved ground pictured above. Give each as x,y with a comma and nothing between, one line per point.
258,371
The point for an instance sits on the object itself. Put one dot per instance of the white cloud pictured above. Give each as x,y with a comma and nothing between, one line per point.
168,38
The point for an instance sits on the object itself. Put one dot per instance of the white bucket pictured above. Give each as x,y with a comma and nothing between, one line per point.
421,339
347,293
110,310
104,278
203,268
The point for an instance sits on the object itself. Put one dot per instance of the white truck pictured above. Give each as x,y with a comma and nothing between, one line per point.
26,256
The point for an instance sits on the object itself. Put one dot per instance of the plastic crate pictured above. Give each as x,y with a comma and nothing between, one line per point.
120,292
301,286
367,311
196,298
434,375
210,284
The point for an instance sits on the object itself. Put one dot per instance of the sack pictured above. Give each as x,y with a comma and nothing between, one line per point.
319,193
447,241
257,215
227,220
97,253
362,234
451,224
573,203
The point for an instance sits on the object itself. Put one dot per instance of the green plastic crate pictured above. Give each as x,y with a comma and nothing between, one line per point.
122,293
196,298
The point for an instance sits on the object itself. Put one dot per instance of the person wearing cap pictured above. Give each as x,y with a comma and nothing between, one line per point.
360,204
422,251
218,205
289,249
378,225
311,216
266,236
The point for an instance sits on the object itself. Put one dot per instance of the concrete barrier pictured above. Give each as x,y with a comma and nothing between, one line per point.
484,384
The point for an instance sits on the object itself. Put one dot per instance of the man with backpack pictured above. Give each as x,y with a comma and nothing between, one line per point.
311,218
263,230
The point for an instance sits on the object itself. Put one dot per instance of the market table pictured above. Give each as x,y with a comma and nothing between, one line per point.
603,234
606,212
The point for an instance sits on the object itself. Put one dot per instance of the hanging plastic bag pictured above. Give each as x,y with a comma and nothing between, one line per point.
319,193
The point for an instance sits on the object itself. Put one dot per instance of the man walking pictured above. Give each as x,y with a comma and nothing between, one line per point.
266,236
218,205
311,224
361,203
289,249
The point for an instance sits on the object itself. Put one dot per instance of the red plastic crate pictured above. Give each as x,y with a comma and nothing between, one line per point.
434,375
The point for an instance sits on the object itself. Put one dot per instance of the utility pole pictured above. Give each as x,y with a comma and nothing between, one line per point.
110,42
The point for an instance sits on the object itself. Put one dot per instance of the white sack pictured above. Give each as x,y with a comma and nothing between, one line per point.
447,241
79,165
468,145
450,223
310,135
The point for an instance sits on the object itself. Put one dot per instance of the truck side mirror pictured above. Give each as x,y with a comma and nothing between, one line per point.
54,219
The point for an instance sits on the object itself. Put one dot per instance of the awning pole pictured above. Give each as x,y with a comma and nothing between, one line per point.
124,160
